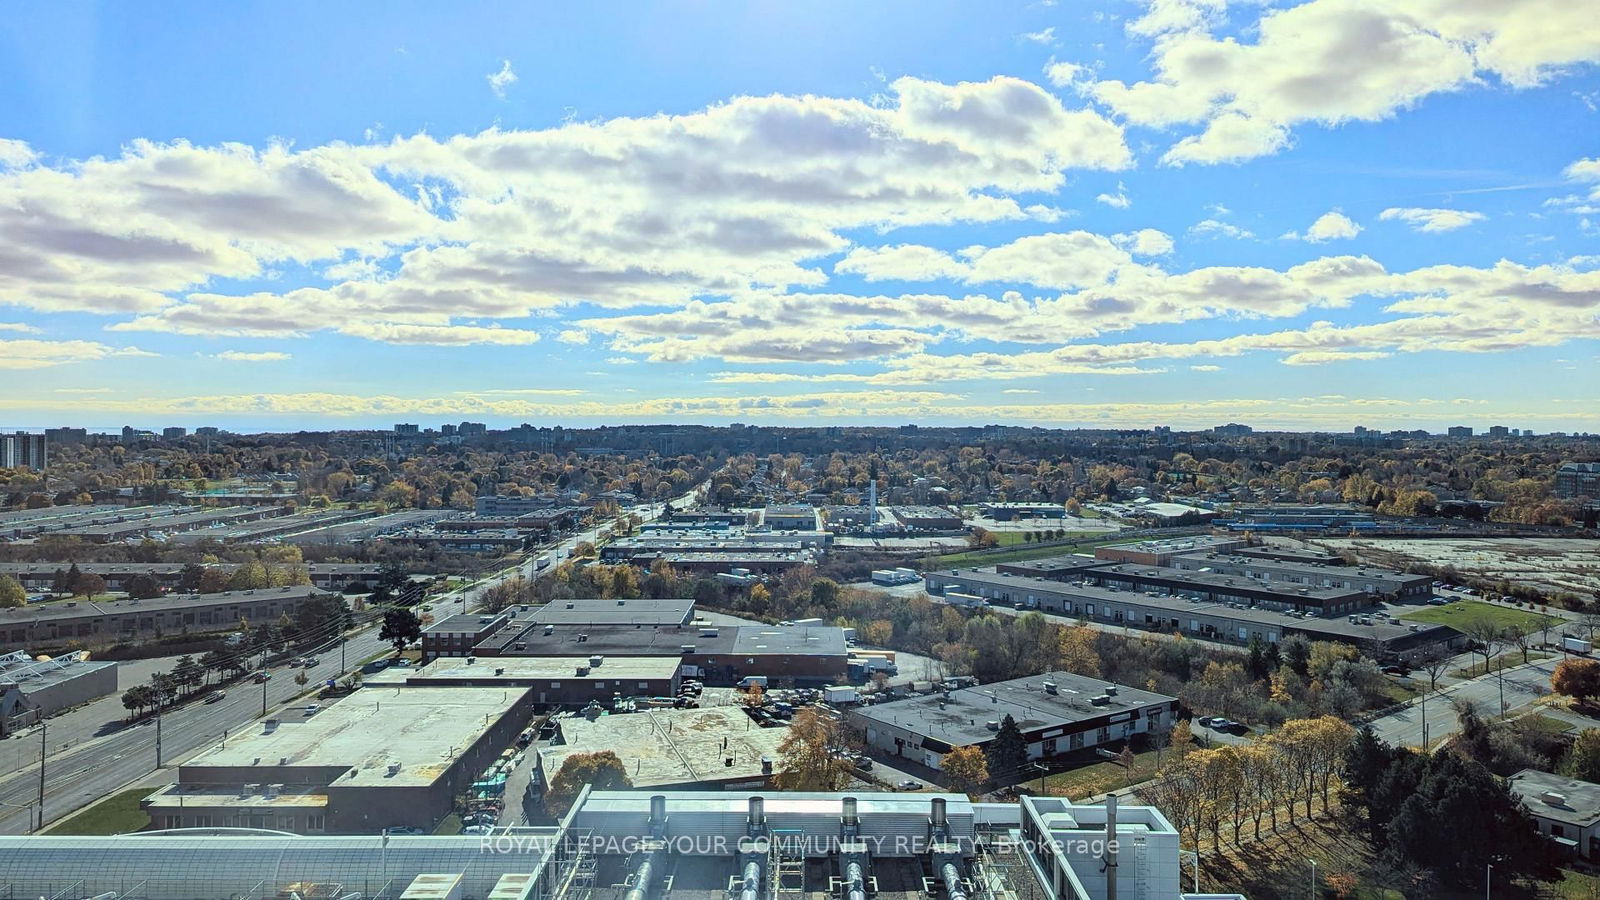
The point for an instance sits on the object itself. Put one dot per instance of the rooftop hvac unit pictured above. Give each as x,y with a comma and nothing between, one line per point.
249,790
992,725
1552,798
596,660
1049,687
549,629
394,769
582,671
1111,690
1101,700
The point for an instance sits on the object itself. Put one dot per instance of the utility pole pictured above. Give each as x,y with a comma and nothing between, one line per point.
264,672
159,702
44,728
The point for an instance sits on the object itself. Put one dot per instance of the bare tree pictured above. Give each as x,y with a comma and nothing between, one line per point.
1488,639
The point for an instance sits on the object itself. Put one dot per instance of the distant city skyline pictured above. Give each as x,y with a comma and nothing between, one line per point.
1108,214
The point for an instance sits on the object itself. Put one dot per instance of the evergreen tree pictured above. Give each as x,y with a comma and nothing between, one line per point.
1008,753
1460,817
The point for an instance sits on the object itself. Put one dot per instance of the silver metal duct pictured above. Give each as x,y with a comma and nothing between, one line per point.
951,873
642,877
750,887
855,880
851,820
758,816
658,813
938,816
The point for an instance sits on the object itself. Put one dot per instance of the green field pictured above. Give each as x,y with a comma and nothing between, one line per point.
1099,777
1463,614
116,814
1024,551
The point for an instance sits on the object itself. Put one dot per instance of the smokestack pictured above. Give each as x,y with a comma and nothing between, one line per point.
658,813
850,819
758,816
938,817
1111,847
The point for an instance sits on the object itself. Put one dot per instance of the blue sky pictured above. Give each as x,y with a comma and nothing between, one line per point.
1311,215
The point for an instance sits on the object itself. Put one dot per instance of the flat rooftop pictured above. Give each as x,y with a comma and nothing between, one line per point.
1310,570
1039,567
179,521
72,610
1240,584
1580,800
1197,544
640,640
422,729
525,670
672,746
32,675
652,612
961,720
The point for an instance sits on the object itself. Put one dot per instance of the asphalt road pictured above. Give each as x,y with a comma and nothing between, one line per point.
1523,685
91,755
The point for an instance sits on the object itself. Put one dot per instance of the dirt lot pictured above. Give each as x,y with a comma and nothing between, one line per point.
1561,564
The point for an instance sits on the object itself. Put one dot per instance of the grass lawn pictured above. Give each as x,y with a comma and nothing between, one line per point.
1099,776
116,814
1024,552
1463,614
1508,660
1277,864
1573,885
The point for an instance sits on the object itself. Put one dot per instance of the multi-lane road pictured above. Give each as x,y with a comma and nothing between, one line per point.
91,753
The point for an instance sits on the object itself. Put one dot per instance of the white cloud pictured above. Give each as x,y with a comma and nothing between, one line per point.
1046,36
1067,75
15,154
573,336
1219,228
1205,368
1019,391
1119,200
441,335
1330,226
1334,61
1322,357
427,233
1144,242
903,262
36,354
18,326
1431,221
499,81
249,356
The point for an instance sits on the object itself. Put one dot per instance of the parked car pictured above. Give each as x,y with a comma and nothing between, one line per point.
864,763
216,696
908,785
1210,721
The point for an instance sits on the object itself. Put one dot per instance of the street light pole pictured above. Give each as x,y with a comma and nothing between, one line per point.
1488,873
1313,894
44,727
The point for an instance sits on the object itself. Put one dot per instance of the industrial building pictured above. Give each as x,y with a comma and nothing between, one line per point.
1227,621
39,576
256,532
760,562
650,845
927,518
551,681
652,612
139,528
1161,552
1320,601
1565,809
495,542
810,655
1304,555
1055,568
1007,512
1299,518
88,622
375,759
34,689
27,523
797,517
457,635
1376,582
677,749
1058,713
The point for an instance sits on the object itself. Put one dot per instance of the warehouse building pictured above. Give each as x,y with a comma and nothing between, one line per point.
374,759
798,517
927,518
457,635
652,612
1377,582
139,528
35,689
1161,552
811,655
673,749
40,576
1564,809
569,682
86,622
1224,621
1058,713
1318,601
759,562
1007,512
1055,568
20,524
